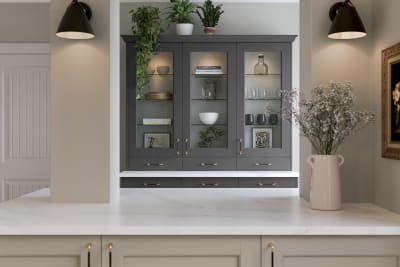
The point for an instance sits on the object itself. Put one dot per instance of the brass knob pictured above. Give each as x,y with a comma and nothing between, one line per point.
110,246
89,246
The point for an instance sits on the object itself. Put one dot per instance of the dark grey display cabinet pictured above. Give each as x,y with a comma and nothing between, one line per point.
212,104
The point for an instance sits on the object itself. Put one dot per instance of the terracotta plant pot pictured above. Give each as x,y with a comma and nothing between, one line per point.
210,30
325,192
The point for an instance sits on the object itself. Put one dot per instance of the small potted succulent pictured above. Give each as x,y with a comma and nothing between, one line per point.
209,15
180,11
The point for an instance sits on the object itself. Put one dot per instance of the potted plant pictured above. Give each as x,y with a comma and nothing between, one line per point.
180,11
147,27
326,120
209,15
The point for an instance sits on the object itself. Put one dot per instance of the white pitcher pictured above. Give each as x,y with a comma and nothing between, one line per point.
325,192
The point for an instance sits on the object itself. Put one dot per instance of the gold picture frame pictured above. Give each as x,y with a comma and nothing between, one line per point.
391,102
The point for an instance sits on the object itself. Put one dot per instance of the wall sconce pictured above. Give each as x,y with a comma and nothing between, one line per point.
346,23
75,22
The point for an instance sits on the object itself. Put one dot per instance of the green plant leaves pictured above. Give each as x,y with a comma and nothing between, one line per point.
180,11
147,26
209,14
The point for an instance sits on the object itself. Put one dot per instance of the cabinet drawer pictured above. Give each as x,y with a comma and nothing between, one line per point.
270,182
127,182
209,164
155,164
264,164
210,182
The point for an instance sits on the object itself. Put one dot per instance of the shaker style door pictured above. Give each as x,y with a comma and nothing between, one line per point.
263,71
153,114
209,95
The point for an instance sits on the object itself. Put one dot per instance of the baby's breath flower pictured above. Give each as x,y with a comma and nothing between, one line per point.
328,117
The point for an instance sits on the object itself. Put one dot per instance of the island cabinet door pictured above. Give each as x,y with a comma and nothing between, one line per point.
183,251
331,251
33,251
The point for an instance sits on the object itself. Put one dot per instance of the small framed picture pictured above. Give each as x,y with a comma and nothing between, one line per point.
262,138
156,140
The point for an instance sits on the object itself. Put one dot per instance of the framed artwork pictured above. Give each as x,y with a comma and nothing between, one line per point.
391,102
156,140
262,138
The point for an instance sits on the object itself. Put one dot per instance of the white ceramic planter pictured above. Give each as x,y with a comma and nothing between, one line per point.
325,192
184,28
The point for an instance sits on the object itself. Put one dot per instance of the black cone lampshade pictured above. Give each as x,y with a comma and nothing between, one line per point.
346,23
75,22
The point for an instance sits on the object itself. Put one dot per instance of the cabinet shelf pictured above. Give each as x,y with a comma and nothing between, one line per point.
262,75
154,100
263,99
210,75
154,125
262,125
204,125
204,99
160,75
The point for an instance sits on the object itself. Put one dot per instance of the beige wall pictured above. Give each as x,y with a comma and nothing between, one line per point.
80,110
386,171
23,22
334,60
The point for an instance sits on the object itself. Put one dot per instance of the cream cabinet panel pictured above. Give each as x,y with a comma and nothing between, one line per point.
330,251
198,251
50,251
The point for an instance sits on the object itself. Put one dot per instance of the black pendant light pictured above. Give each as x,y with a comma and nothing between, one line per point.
75,22
346,23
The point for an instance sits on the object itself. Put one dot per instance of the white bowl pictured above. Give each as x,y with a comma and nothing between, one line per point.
209,118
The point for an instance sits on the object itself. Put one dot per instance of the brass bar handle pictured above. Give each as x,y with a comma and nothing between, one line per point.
178,140
151,184
240,146
205,164
110,247
186,146
263,164
152,164
271,247
260,184
209,184
89,247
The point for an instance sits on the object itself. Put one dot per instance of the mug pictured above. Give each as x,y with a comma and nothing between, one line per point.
261,119
249,119
273,119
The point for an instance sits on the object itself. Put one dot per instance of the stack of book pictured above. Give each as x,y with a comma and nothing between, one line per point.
208,70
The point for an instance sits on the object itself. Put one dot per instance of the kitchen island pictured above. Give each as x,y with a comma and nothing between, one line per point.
180,227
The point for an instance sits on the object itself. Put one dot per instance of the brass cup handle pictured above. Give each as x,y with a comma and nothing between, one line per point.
263,164
151,184
209,184
205,164
152,164
260,184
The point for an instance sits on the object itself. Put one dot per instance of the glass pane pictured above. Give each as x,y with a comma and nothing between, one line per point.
263,124
209,100
155,111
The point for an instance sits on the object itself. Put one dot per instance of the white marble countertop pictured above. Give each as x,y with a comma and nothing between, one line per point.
193,212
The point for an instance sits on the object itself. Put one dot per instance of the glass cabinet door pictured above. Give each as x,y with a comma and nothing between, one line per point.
264,71
209,100
155,110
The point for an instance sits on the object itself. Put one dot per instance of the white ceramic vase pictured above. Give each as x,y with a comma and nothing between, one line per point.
325,192
184,28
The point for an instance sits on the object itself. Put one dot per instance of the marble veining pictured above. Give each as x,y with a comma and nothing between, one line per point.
193,212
